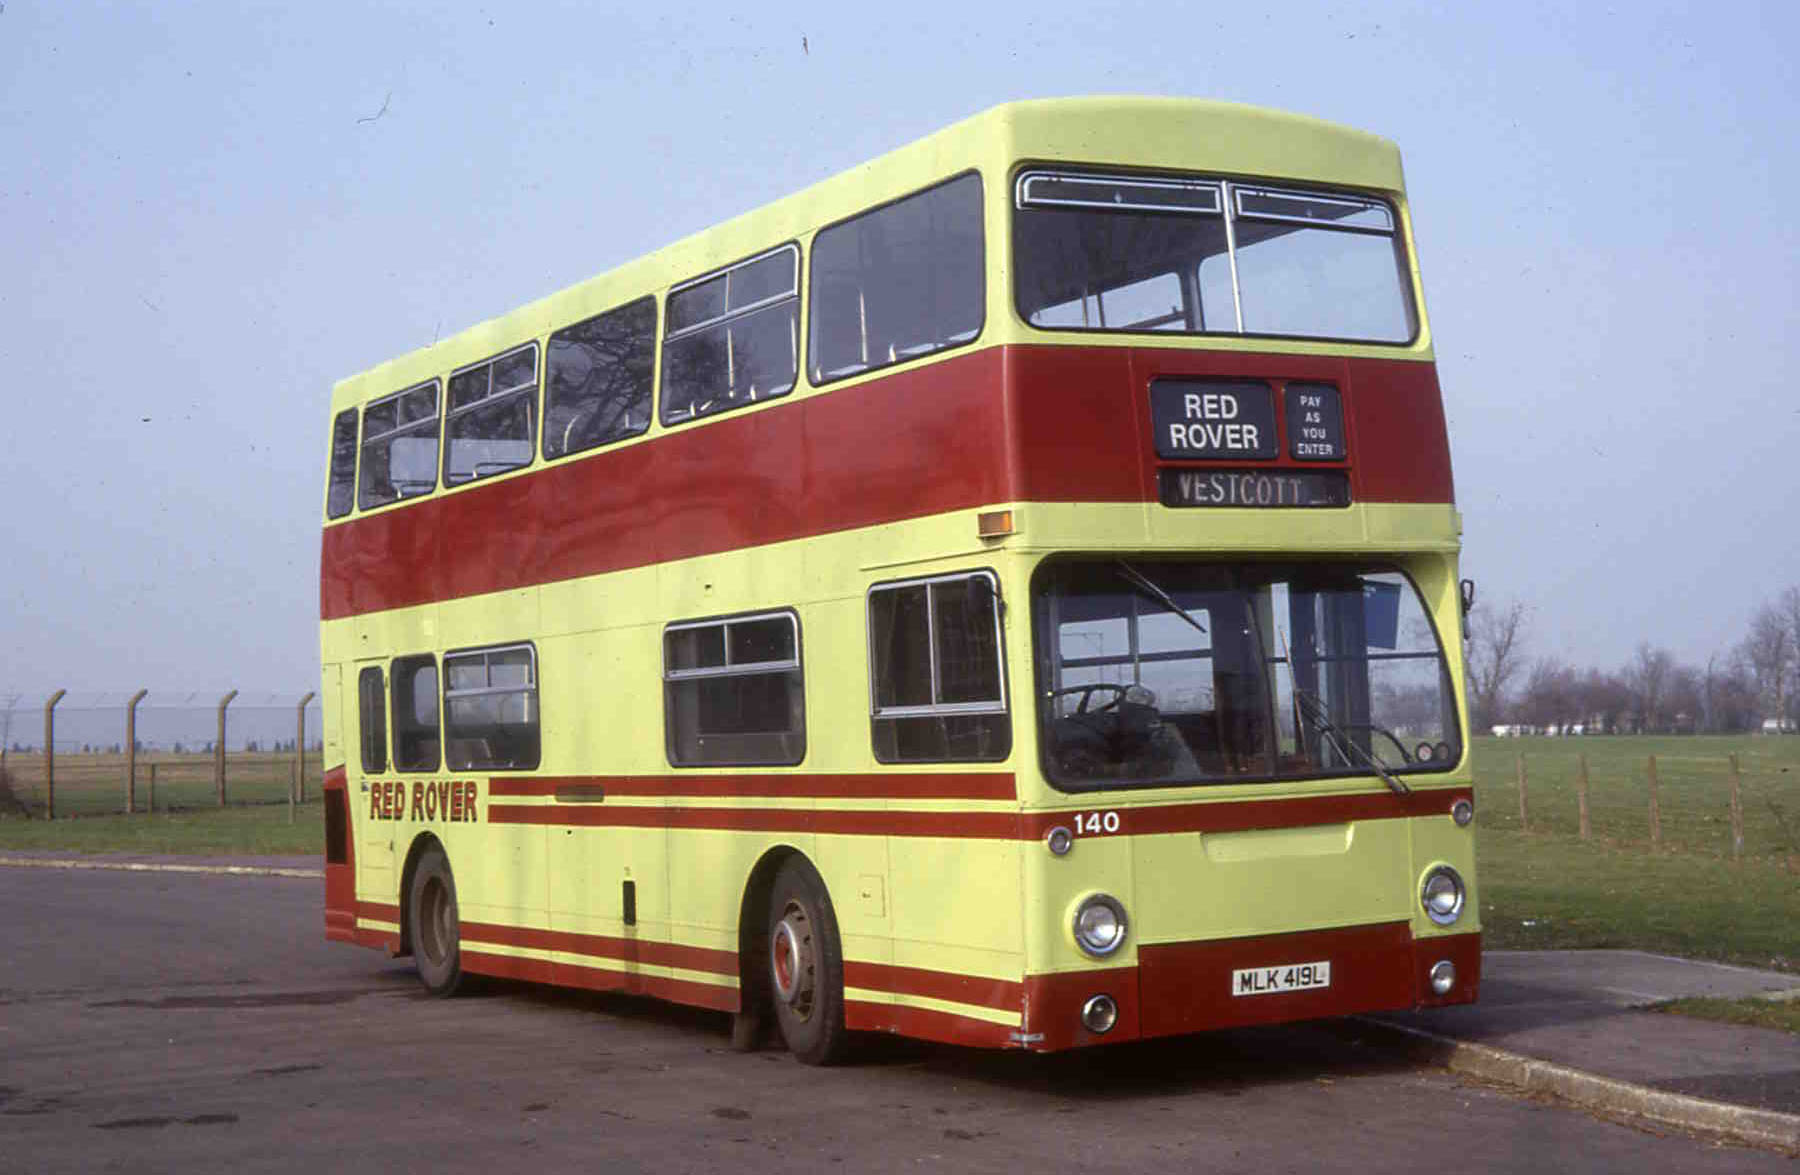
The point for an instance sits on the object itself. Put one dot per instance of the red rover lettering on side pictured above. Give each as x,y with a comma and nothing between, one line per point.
448,800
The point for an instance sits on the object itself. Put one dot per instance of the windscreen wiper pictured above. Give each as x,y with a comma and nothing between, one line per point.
1308,703
1149,587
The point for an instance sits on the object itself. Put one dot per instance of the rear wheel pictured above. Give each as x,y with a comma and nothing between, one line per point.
436,938
806,966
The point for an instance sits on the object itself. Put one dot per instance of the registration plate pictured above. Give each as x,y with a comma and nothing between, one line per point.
1286,977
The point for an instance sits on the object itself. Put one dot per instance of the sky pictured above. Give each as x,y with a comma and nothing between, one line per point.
210,212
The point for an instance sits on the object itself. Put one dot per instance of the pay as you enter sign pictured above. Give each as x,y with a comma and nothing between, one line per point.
1194,418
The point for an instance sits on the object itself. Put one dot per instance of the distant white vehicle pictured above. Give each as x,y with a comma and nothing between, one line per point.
1778,726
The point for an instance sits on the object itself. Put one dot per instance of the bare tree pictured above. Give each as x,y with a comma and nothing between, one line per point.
1684,699
1497,638
1648,678
1769,649
1550,699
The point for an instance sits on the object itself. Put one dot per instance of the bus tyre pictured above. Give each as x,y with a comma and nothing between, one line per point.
806,966
436,943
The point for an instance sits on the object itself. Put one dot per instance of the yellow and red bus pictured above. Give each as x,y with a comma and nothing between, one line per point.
1004,594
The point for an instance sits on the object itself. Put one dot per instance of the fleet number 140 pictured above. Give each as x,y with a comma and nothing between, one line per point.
1096,823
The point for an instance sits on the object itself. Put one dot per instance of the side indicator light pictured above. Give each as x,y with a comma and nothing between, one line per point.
994,524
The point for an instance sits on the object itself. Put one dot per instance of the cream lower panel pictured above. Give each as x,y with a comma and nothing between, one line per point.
1437,838
1228,885
499,872
956,901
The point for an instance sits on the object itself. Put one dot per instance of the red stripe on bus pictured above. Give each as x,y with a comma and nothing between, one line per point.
1256,815
680,991
1002,424
1003,994
1217,816
928,1024
600,946
979,825
379,911
889,786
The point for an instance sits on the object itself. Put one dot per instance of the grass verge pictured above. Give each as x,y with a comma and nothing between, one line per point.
1543,892
1783,1015
259,830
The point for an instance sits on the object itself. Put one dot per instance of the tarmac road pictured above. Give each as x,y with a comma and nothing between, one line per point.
199,1023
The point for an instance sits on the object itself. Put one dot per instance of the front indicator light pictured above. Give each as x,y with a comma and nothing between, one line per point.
1100,925
1442,895
1099,1014
1443,976
1462,811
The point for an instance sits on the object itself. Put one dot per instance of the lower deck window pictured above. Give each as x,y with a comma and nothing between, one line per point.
415,688
937,690
733,692
372,718
491,709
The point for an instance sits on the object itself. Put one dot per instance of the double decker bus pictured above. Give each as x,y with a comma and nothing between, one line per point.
1005,594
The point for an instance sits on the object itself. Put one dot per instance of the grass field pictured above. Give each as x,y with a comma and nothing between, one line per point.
1547,888
1693,772
90,784
254,830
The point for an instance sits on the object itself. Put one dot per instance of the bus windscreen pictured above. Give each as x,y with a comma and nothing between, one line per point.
1157,674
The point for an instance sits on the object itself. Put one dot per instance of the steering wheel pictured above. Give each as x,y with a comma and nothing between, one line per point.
1087,694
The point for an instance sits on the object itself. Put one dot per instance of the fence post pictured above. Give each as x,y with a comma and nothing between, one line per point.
299,787
1581,795
293,786
1524,816
219,748
1655,809
151,806
131,750
1737,813
50,754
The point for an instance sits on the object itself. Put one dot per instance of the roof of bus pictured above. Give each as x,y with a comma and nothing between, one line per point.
1188,134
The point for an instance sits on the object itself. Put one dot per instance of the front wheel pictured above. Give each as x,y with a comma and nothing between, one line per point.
436,939
806,966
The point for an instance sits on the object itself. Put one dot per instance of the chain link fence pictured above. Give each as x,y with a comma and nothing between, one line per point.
88,754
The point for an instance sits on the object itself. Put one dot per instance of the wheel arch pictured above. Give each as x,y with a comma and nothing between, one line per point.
420,843
754,994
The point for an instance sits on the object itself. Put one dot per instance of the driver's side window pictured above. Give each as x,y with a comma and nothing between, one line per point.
937,678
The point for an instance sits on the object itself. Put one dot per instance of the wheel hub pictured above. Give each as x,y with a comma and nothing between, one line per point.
790,959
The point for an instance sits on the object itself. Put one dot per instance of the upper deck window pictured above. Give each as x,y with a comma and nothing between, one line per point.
733,337
598,379
399,446
1194,256
492,417
341,492
897,282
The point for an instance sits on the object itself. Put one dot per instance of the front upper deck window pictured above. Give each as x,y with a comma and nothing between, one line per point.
1202,256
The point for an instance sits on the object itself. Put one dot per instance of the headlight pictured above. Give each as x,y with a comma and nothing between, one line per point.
1100,925
1442,895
